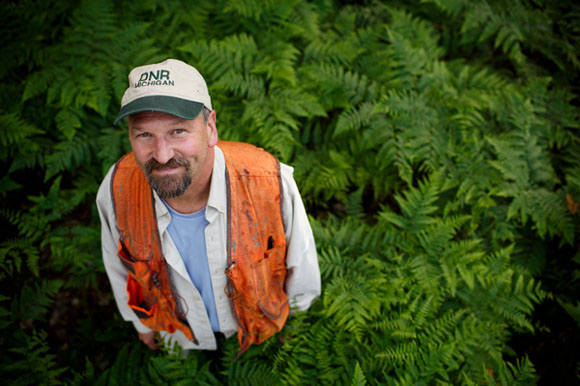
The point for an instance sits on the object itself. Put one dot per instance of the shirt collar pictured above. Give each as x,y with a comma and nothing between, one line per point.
217,190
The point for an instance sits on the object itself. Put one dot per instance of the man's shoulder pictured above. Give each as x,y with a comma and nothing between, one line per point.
247,159
239,147
128,162
105,187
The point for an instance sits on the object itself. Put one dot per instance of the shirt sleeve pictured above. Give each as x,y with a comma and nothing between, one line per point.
116,271
303,276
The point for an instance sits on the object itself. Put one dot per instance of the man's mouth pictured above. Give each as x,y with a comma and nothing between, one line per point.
165,170
152,166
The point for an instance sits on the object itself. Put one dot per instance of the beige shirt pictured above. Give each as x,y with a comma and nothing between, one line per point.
303,279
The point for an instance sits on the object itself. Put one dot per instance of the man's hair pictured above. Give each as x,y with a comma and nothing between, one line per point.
205,114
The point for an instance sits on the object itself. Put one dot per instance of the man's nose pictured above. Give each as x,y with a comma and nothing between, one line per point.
162,151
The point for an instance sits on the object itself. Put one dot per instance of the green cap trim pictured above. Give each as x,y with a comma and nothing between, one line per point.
181,108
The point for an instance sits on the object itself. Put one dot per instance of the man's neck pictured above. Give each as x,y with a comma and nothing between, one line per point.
189,202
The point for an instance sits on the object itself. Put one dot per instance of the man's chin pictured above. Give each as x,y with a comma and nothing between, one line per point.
169,186
166,195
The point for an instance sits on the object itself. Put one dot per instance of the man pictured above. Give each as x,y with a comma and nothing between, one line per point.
200,238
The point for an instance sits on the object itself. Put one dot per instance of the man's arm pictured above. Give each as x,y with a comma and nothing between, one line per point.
116,271
303,277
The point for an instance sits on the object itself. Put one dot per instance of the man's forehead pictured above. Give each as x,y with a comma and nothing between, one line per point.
146,115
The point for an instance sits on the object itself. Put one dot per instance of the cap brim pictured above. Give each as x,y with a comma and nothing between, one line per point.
181,108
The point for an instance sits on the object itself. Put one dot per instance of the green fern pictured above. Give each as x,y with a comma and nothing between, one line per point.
32,363
14,130
434,144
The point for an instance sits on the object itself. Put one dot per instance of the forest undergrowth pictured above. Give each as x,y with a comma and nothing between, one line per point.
435,144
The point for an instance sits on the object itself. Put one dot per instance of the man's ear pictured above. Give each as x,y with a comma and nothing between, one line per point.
212,133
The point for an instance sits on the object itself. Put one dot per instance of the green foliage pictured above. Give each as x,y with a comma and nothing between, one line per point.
32,363
435,144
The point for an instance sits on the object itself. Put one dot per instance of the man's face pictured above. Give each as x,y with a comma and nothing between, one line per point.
172,152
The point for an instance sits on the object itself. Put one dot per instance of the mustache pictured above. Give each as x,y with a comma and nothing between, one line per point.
152,164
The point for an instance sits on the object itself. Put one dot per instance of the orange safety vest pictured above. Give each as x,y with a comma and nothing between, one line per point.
256,246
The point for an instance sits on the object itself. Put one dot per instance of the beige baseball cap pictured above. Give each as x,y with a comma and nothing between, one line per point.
171,87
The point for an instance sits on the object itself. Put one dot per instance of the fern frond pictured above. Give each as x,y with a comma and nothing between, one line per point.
358,377
68,155
340,52
13,252
248,374
252,9
278,64
35,303
39,82
547,210
67,122
235,53
417,205
451,7
340,88
7,185
354,119
417,141
14,130
126,368
401,354
33,363
352,302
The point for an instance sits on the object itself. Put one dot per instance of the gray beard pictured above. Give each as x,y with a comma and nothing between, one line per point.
168,186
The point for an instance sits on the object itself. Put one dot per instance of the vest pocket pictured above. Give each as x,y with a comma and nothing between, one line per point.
272,298
259,288
137,300
144,306
237,284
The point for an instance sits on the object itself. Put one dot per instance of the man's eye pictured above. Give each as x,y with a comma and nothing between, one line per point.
143,135
178,131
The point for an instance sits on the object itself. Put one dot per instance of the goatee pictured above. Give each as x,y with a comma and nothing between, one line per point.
168,186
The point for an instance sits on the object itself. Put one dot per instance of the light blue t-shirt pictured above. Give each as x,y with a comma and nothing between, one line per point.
188,234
